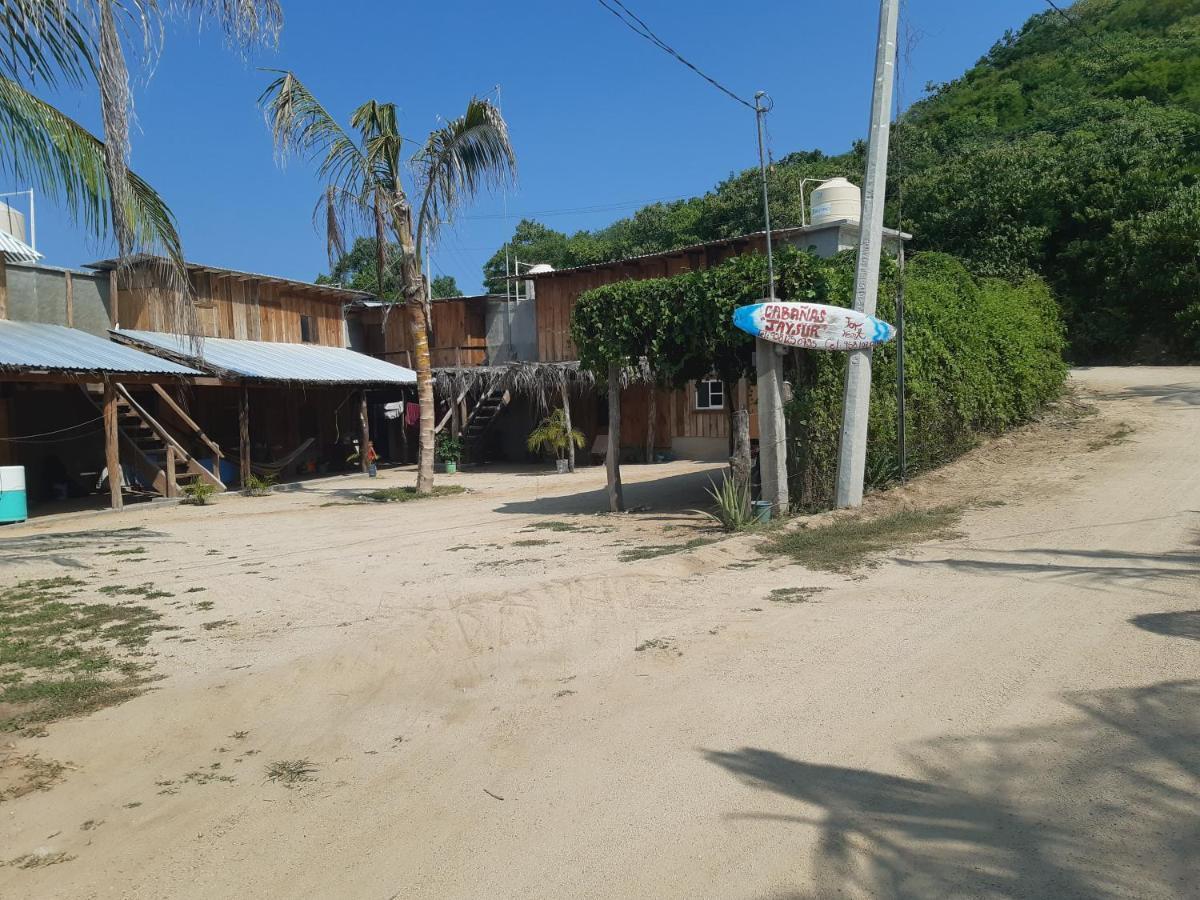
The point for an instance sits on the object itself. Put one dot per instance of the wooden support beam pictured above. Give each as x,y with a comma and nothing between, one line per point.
114,300
69,290
172,487
364,425
112,451
244,433
3,287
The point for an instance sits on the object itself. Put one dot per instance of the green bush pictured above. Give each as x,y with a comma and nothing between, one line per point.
198,493
981,355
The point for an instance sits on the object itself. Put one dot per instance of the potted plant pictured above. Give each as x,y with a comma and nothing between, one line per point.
449,451
553,434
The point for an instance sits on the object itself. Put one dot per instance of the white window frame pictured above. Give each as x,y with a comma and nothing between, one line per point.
715,385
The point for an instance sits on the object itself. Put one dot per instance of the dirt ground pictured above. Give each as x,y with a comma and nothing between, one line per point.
1012,712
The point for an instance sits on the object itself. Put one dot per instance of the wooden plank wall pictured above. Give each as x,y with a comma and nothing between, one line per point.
235,307
459,333
7,454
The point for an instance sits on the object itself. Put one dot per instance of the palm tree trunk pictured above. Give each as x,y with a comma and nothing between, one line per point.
414,302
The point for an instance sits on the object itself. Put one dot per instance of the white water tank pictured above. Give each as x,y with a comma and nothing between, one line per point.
835,200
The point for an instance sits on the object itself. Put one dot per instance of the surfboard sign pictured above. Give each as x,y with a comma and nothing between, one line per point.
812,326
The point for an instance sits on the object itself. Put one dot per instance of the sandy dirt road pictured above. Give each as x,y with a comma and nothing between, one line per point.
1014,712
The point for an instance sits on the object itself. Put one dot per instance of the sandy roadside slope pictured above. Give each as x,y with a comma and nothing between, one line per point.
1011,713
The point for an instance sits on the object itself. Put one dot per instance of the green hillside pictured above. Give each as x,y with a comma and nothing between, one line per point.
1072,150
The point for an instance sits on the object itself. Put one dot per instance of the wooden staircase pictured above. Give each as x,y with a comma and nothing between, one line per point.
477,421
480,421
159,459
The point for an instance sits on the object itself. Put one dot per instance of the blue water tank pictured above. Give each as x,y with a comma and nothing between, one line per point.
13,507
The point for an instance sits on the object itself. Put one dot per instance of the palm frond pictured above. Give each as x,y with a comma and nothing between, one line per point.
458,160
244,22
44,43
41,145
301,125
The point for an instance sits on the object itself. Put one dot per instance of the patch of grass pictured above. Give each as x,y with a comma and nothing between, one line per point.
132,805
291,771
558,525
653,551
132,551
667,645
404,494
846,543
1119,435
198,493
531,542
195,590
39,860
204,605
219,623
259,486
146,591
21,775
794,594
60,657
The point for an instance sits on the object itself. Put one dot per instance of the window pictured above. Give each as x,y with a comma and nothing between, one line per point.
710,394
308,330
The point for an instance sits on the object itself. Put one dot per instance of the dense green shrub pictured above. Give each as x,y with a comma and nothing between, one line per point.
980,356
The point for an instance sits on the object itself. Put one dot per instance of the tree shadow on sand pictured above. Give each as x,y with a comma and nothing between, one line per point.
1103,805
1171,624
63,548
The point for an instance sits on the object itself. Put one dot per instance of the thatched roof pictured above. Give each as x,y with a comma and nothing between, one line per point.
543,382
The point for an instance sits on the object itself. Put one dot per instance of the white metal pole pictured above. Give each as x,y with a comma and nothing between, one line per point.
32,222
856,406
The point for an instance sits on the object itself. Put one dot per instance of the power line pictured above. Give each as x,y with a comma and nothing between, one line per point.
1074,22
631,21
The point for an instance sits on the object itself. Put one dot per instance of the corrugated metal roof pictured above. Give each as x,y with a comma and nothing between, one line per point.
271,361
16,250
777,233
33,346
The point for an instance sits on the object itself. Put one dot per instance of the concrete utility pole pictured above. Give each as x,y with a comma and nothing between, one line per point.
856,405
772,428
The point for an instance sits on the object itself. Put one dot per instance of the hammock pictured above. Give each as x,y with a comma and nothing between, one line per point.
275,466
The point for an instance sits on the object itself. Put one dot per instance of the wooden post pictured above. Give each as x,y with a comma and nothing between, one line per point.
651,416
114,300
612,461
740,460
772,433
69,290
171,485
244,433
566,402
112,452
3,288
364,437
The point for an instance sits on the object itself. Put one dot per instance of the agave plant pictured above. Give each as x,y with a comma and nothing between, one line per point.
365,189
55,44
731,504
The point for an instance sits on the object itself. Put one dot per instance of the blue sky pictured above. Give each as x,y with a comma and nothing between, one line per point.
598,116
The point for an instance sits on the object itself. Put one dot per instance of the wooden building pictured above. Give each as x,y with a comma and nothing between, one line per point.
271,384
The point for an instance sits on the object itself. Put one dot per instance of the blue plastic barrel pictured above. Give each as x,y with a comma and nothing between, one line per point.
13,507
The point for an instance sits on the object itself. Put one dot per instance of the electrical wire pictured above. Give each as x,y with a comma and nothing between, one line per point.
631,21
31,437
1074,21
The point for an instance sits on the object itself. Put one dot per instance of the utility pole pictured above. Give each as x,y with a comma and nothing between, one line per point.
856,403
772,429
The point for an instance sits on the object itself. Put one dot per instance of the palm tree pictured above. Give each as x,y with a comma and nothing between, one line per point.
71,43
365,189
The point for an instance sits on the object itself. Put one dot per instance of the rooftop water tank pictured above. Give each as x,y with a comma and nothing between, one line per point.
835,200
